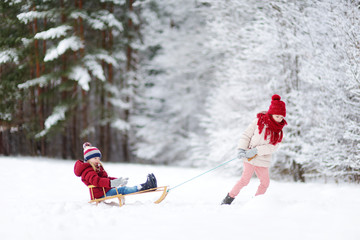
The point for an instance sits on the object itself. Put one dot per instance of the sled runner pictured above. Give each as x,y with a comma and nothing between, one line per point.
121,197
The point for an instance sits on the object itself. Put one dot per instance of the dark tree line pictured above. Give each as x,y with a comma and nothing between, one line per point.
62,65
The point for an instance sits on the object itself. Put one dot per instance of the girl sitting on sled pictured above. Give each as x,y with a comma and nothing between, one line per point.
93,173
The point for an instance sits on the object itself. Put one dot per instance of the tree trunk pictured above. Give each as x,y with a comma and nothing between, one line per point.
110,80
75,118
297,172
63,93
39,71
103,104
3,145
84,108
129,50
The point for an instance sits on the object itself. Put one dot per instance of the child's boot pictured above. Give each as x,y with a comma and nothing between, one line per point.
227,200
150,183
153,181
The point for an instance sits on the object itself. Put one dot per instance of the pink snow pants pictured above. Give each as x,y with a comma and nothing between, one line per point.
261,172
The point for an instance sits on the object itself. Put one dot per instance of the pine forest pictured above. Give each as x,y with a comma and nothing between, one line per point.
176,82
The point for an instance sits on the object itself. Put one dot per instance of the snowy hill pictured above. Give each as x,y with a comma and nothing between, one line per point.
42,199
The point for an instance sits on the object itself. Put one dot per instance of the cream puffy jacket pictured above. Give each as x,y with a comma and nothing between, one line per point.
251,139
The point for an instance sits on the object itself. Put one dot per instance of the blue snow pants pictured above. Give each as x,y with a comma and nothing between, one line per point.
121,190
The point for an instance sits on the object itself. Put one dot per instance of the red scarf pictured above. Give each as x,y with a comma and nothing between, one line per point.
273,128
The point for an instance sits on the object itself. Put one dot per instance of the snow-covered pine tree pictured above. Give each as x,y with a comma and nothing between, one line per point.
310,49
290,35
175,76
12,71
335,153
349,28
243,41
74,71
316,37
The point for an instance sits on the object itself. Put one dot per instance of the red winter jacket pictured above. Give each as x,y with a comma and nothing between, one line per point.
97,178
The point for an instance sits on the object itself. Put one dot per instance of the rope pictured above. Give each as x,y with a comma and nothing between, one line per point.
191,179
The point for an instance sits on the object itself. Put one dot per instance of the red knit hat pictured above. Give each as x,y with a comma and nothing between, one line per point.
277,107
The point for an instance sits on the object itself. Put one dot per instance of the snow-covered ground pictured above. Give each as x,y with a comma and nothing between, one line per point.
43,199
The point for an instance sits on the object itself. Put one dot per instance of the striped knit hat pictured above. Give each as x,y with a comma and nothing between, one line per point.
90,151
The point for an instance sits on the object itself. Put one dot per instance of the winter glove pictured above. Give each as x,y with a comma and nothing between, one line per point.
119,182
241,153
251,152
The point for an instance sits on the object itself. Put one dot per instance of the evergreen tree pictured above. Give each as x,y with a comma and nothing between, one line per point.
70,66
175,80
12,71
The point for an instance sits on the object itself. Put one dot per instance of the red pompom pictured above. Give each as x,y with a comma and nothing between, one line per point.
276,97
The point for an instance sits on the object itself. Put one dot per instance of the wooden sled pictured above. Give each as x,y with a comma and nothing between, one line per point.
121,197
